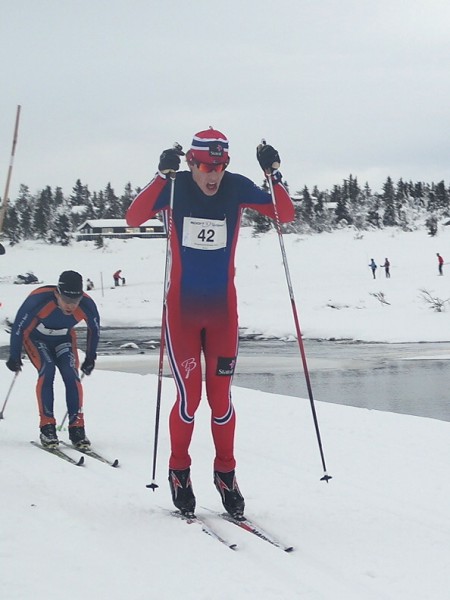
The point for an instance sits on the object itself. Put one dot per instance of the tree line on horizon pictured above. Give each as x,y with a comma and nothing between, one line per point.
53,217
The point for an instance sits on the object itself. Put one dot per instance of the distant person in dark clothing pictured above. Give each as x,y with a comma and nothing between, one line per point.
374,267
89,285
387,266
440,263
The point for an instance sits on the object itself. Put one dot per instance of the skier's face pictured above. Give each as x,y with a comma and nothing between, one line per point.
207,180
67,308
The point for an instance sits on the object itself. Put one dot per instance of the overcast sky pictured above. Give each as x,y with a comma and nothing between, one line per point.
337,86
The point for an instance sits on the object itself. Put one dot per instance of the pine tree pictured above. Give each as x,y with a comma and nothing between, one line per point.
61,230
11,225
341,211
401,203
388,200
442,198
44,211
355,202
374,210
25,208
80,194
320,222
432,203
126,198
100,204
306,207
113,208
80,205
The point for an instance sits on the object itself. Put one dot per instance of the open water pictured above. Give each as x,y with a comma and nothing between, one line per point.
404,378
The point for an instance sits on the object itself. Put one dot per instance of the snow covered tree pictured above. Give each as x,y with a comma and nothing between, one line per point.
341,211
432,225
374,211
442,198
11,225
43,213
80,194
80,205
127,198
306,207
61,230
321,216
113,207
25,208
388,200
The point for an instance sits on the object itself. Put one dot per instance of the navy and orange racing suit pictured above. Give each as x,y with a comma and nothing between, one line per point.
201,304
49,339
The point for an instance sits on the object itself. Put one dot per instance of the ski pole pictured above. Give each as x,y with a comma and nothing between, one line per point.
59,428
8,394
268,174
153,485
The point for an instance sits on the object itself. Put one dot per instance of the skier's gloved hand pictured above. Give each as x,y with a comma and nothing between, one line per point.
268,157
14,364
88,366
169,161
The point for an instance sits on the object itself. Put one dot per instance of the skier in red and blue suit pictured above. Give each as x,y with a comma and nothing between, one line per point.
44,326
201,305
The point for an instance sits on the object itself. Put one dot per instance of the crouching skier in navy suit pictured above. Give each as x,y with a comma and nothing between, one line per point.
44,325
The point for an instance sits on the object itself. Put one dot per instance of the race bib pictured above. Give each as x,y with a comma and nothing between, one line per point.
204,234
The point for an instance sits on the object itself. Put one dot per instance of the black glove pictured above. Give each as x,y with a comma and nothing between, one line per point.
14,364
268,157
169,160
88,366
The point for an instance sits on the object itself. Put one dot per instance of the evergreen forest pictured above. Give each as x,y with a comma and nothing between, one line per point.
53,217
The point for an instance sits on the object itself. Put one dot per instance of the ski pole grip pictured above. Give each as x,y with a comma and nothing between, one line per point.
179,148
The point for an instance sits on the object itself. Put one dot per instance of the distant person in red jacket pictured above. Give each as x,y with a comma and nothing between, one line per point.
387,267
117,277
440,263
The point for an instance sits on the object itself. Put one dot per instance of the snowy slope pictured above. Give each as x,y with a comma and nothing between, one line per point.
378,530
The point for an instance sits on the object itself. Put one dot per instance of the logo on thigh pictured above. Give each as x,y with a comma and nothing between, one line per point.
188,365
225,366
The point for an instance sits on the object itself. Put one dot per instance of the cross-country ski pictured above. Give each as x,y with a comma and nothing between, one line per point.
60,454
94,454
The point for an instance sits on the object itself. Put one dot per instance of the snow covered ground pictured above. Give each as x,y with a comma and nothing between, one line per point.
378,530
332,282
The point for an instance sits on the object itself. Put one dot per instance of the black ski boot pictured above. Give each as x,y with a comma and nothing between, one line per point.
182,492
48,436
232,498
78,438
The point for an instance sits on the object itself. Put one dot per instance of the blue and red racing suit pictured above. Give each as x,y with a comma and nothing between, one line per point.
201,304
49,339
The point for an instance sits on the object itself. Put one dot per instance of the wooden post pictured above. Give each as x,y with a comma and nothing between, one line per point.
8,179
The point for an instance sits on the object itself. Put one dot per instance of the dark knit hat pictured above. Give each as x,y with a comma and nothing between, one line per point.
210,147
70,285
